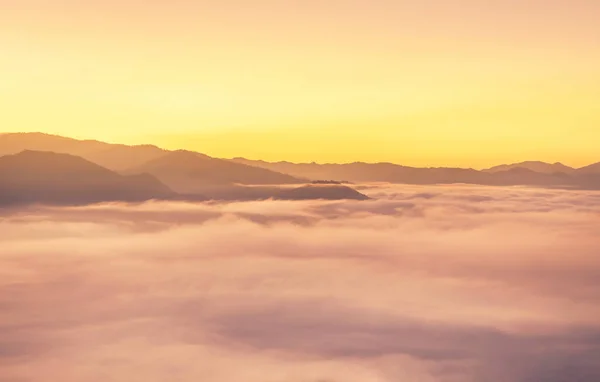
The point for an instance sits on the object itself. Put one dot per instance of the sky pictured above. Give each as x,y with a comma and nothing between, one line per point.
425,83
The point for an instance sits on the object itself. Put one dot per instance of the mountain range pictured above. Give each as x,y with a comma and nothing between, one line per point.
537,166
37,167
187,171
47,177
524,173
49,169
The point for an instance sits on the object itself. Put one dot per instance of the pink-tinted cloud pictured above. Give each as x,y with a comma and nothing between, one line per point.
449,283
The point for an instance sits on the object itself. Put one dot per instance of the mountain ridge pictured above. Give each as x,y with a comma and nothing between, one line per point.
516,174
595,165
537,166
187,171
42,177
39,176
109,155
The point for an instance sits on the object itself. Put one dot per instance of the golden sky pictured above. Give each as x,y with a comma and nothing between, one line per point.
429,83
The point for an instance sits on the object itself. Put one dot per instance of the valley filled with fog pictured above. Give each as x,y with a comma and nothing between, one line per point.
418,283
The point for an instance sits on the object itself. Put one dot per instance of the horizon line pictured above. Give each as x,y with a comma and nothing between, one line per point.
285,161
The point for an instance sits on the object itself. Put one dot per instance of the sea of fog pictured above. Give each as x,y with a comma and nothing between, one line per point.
420,284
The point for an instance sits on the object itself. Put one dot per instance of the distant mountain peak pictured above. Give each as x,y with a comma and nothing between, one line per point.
591,169
186,170
536,166
48,164
33,176
321,191
49,155
187,153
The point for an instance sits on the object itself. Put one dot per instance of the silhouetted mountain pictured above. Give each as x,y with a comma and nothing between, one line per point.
313,191
120,157
14,143
329,182
112,156
45,177
187,171
372,172
523,176
283,192
541,167
591,169
388,172
190,172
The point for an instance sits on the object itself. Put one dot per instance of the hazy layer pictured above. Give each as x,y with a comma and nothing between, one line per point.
424,284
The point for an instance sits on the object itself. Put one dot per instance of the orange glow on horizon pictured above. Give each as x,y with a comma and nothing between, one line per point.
426,83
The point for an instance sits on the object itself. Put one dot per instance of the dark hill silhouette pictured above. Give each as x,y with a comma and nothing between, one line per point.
121,157
591,169
372,172
112,156
321,191
187,171
41,177
540,167
324,181
389,172
523,176
14,143
46,177
191,172
283,192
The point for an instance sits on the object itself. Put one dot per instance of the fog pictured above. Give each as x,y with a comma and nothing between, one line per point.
440,283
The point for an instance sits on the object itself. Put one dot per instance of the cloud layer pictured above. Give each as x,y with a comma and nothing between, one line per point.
449,283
